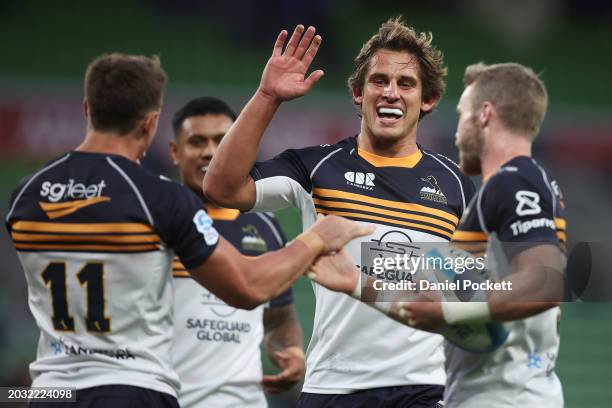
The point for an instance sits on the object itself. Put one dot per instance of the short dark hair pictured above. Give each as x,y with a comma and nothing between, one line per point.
395,35
122,89
206,105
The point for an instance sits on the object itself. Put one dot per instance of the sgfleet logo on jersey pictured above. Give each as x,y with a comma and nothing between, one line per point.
65,199
360,180
71,190
523,227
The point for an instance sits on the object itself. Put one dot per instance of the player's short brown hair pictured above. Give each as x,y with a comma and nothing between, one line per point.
394,35
122,89
517,93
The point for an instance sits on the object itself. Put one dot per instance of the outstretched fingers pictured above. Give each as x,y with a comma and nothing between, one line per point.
294,40
312,50
304,42
278,45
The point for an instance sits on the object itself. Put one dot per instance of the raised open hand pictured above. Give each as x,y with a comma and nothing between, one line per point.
284,77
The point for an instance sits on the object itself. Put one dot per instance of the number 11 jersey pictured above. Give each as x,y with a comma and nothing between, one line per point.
95,234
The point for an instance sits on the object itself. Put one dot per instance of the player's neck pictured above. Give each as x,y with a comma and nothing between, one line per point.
502,148
127,146
387,147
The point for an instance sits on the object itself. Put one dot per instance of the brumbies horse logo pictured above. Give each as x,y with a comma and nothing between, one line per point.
433,192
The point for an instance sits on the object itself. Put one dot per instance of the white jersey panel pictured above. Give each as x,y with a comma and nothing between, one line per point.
519,374
388,354
216,350
137,302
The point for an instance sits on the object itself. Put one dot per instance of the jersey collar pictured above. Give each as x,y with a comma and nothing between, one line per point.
381,161
222,214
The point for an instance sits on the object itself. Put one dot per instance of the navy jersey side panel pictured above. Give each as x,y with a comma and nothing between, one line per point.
520,205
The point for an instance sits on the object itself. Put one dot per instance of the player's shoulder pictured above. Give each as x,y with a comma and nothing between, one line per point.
519,172
163,197
313,155
443,163
437,164
46,167
151,183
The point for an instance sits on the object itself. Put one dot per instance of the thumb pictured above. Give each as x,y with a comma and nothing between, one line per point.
320,216
361,230
313,78
281,356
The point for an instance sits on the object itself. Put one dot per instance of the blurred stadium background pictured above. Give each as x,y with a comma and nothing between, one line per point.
219,48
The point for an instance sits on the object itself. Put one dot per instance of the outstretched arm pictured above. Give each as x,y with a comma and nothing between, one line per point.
246,282
227,181
537,282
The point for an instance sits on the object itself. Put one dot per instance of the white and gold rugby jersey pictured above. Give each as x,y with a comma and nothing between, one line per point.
419,198
518,207
216,347
95,234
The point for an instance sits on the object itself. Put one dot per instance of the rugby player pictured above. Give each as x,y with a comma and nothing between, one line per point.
215,348
96,233
382,177
519,207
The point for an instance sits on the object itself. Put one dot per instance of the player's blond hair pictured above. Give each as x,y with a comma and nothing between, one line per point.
517,93
395,35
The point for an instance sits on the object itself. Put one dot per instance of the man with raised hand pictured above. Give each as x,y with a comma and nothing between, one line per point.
380,177
95,233
519,208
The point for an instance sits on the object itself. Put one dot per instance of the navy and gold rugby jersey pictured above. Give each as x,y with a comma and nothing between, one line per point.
520,204
216,348
518,207
419,198
95,234
424,192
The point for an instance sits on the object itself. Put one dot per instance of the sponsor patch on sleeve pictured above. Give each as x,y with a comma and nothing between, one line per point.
204,224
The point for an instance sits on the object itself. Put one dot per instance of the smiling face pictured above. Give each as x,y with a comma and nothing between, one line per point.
469,138
391,97
195,146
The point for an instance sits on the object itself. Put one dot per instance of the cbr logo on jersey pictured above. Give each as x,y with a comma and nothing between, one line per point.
527,203
360,180
433,192
58,191
204,224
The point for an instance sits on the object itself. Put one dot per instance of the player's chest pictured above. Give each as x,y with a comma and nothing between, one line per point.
357,181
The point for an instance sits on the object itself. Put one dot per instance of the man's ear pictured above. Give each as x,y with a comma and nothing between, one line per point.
486,113
357,95
85,108
427,106
174,152
149,124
